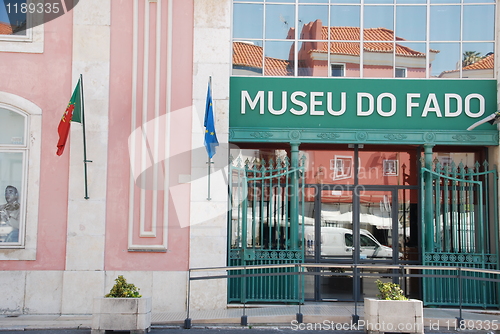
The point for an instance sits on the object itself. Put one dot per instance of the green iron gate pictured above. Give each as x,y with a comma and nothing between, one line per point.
460,230
264,228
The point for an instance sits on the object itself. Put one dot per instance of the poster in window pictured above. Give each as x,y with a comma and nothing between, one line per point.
10,197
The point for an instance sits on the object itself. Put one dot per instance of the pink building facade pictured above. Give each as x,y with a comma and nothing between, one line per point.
152,213
144,83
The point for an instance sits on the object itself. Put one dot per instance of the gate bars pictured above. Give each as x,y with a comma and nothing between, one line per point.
263,228
460,213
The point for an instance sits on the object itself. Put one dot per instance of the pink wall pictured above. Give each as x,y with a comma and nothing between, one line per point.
117,256
45,79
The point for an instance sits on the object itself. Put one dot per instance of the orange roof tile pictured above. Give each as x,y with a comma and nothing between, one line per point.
369,34
250,55
487,63
5,29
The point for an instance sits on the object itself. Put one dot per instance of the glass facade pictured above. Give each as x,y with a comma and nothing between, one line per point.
374,39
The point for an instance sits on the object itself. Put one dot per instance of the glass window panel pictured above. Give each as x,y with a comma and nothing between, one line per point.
379,17
378,1
344,1
277,59
346,53
12,18
378,63
313,59
247,20
445,1
11,178
479,1
411,22
411,2
307,16
247,58
14,133
313,1
345,16
445,63
445,23
479,23
478,60
411,56
279,20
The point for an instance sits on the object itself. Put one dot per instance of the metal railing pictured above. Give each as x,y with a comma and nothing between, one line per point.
399,271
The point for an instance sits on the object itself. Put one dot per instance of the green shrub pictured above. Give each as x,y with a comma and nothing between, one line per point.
389,291
122,289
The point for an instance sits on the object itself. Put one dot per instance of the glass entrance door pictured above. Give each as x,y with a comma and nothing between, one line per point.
361,207
328,240
348,225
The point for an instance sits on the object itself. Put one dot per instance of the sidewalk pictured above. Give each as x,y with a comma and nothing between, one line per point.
267,315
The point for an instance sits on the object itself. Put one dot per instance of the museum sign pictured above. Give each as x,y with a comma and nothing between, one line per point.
341,103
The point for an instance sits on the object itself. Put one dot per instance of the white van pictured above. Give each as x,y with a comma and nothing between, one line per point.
338,242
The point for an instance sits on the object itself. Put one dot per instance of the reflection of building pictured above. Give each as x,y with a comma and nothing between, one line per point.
341,45
247,60
481,69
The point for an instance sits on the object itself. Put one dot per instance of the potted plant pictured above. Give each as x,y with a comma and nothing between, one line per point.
123,308
393,312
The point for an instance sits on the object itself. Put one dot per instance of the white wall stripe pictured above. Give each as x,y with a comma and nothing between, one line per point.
144,125
133,122
168,96
146,159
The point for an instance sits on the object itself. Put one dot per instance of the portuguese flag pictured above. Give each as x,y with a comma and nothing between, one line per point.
73,113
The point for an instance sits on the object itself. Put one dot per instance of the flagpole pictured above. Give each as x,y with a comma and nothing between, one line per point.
85,161
209,158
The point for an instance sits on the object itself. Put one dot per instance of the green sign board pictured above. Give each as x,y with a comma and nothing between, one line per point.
334,103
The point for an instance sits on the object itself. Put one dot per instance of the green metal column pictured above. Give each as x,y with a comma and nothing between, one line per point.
294,200
428,218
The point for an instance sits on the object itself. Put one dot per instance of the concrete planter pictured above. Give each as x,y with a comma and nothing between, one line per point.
401,316
127,314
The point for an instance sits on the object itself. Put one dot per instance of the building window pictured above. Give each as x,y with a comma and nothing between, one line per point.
420,39
21,24
338,70
400,72
13,152
391,168
14,19
342,167
20,149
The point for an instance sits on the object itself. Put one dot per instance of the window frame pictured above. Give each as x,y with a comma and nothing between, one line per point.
32,42
391,167
24,150
341,170
26,248
342,65
404,69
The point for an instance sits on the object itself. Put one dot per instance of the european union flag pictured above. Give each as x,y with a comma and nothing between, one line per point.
211,141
